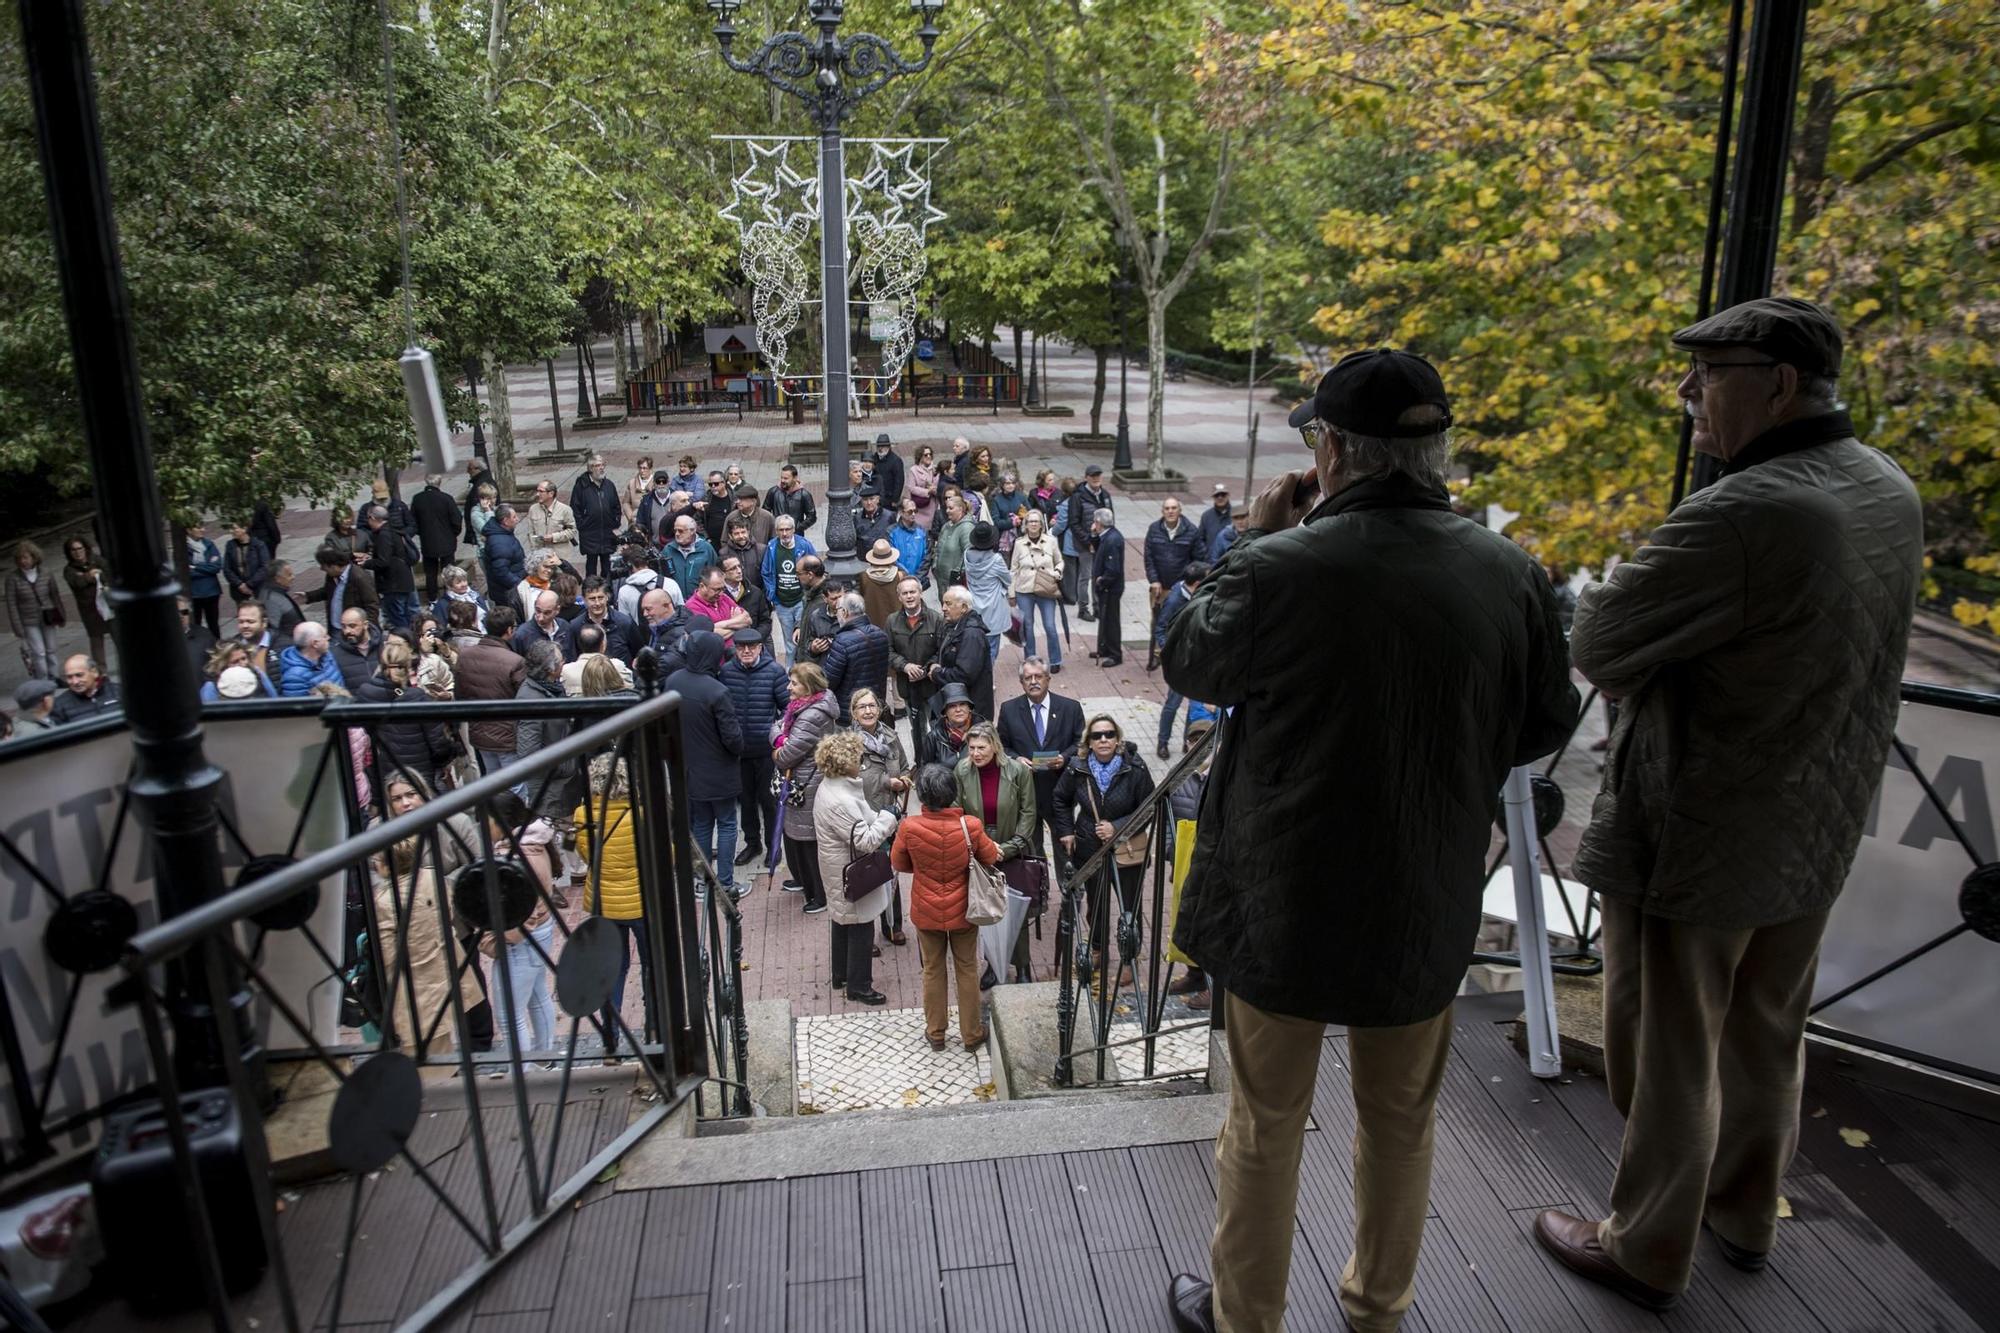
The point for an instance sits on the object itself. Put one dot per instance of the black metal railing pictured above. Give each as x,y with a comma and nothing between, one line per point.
448,885
1105,990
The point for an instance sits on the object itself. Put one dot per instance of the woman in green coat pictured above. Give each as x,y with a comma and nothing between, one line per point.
999,791
949,562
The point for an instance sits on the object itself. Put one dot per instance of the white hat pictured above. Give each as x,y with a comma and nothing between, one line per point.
1220,489
236,683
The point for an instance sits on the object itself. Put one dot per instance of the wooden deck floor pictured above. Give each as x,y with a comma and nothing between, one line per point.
1900,1233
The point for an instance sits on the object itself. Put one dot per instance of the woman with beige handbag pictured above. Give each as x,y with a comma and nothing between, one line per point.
1099,790
1037,586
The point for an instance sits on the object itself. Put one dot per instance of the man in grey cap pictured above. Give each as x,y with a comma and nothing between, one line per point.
32,701
1756,644
1382,663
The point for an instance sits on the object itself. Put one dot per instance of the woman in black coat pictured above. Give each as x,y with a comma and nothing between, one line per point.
1096,794
419,748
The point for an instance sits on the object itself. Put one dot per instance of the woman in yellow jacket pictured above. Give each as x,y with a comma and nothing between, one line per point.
614,885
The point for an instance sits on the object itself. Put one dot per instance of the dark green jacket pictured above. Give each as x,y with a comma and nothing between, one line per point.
1385,663
1757,641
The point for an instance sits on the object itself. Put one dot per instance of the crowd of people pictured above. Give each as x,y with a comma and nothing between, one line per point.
793,681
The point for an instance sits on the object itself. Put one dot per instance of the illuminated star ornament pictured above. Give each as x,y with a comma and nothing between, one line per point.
775,209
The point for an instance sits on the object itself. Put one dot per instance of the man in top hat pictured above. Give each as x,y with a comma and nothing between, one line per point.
881,572
871,520
888,472
1449,660
1757,644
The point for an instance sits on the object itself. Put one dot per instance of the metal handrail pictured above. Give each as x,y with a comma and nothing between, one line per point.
1144,819
180,933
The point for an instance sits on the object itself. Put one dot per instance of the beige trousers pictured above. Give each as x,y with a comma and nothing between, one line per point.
1273,1061
1704,1054
958,949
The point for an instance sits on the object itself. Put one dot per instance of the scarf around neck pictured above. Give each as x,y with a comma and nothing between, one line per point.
1103,773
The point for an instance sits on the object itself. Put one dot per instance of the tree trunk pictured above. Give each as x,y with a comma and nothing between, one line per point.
1156,384
621,363
1019,372
649,333
1815,140
1097,390
500,433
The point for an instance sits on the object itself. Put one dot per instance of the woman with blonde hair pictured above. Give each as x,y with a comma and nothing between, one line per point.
417,749
1037,584
408,884
1098,792
885,780
34,611
613,858
846,828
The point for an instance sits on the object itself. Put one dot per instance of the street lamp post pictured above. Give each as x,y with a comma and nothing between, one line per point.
1121,459
472,387
831,74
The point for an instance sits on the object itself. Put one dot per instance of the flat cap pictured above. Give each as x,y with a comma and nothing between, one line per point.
29,693
1784,328
744,636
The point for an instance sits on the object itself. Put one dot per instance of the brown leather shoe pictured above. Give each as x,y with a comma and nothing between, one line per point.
937,1043
1573,1241
976,1042
1199,1001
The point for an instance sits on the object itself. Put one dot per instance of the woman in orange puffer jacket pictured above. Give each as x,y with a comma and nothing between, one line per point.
934,847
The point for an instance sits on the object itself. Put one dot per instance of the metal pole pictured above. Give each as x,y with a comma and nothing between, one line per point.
1764,145
1531,927
582,389
555,403
472,387
1718,185
1250,464
841,560
173,787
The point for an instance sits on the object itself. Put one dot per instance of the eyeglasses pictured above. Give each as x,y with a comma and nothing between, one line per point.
1315,433
1708,372
1104,735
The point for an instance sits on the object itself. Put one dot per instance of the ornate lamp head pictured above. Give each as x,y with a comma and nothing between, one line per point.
927,12
725,21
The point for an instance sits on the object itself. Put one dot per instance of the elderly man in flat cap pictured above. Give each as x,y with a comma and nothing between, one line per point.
1756,643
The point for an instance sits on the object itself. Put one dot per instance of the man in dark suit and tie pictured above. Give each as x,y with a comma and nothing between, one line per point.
1041,730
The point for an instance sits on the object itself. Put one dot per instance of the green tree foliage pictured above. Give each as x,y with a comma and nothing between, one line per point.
1546,236
254,189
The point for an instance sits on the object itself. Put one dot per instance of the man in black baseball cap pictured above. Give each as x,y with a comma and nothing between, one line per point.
1382,663
1379,393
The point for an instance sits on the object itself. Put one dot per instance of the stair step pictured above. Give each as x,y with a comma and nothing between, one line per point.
774,1148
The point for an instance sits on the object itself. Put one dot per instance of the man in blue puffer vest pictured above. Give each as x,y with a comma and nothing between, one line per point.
758,687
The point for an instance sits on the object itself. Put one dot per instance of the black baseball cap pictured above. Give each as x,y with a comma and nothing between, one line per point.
1784,328
1367,391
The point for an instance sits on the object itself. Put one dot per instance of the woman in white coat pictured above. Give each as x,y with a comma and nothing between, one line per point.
1037,586
847,827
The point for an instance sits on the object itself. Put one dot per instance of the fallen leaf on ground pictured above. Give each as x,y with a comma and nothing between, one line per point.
608,1174
1819,1114
1784,1206
1854,1138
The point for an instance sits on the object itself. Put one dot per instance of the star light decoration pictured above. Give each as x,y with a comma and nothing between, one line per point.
889,212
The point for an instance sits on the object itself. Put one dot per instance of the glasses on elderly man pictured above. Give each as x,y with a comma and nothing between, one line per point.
1708,372
1314,433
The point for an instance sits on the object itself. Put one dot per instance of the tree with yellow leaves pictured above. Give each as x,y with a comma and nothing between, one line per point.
1548,235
